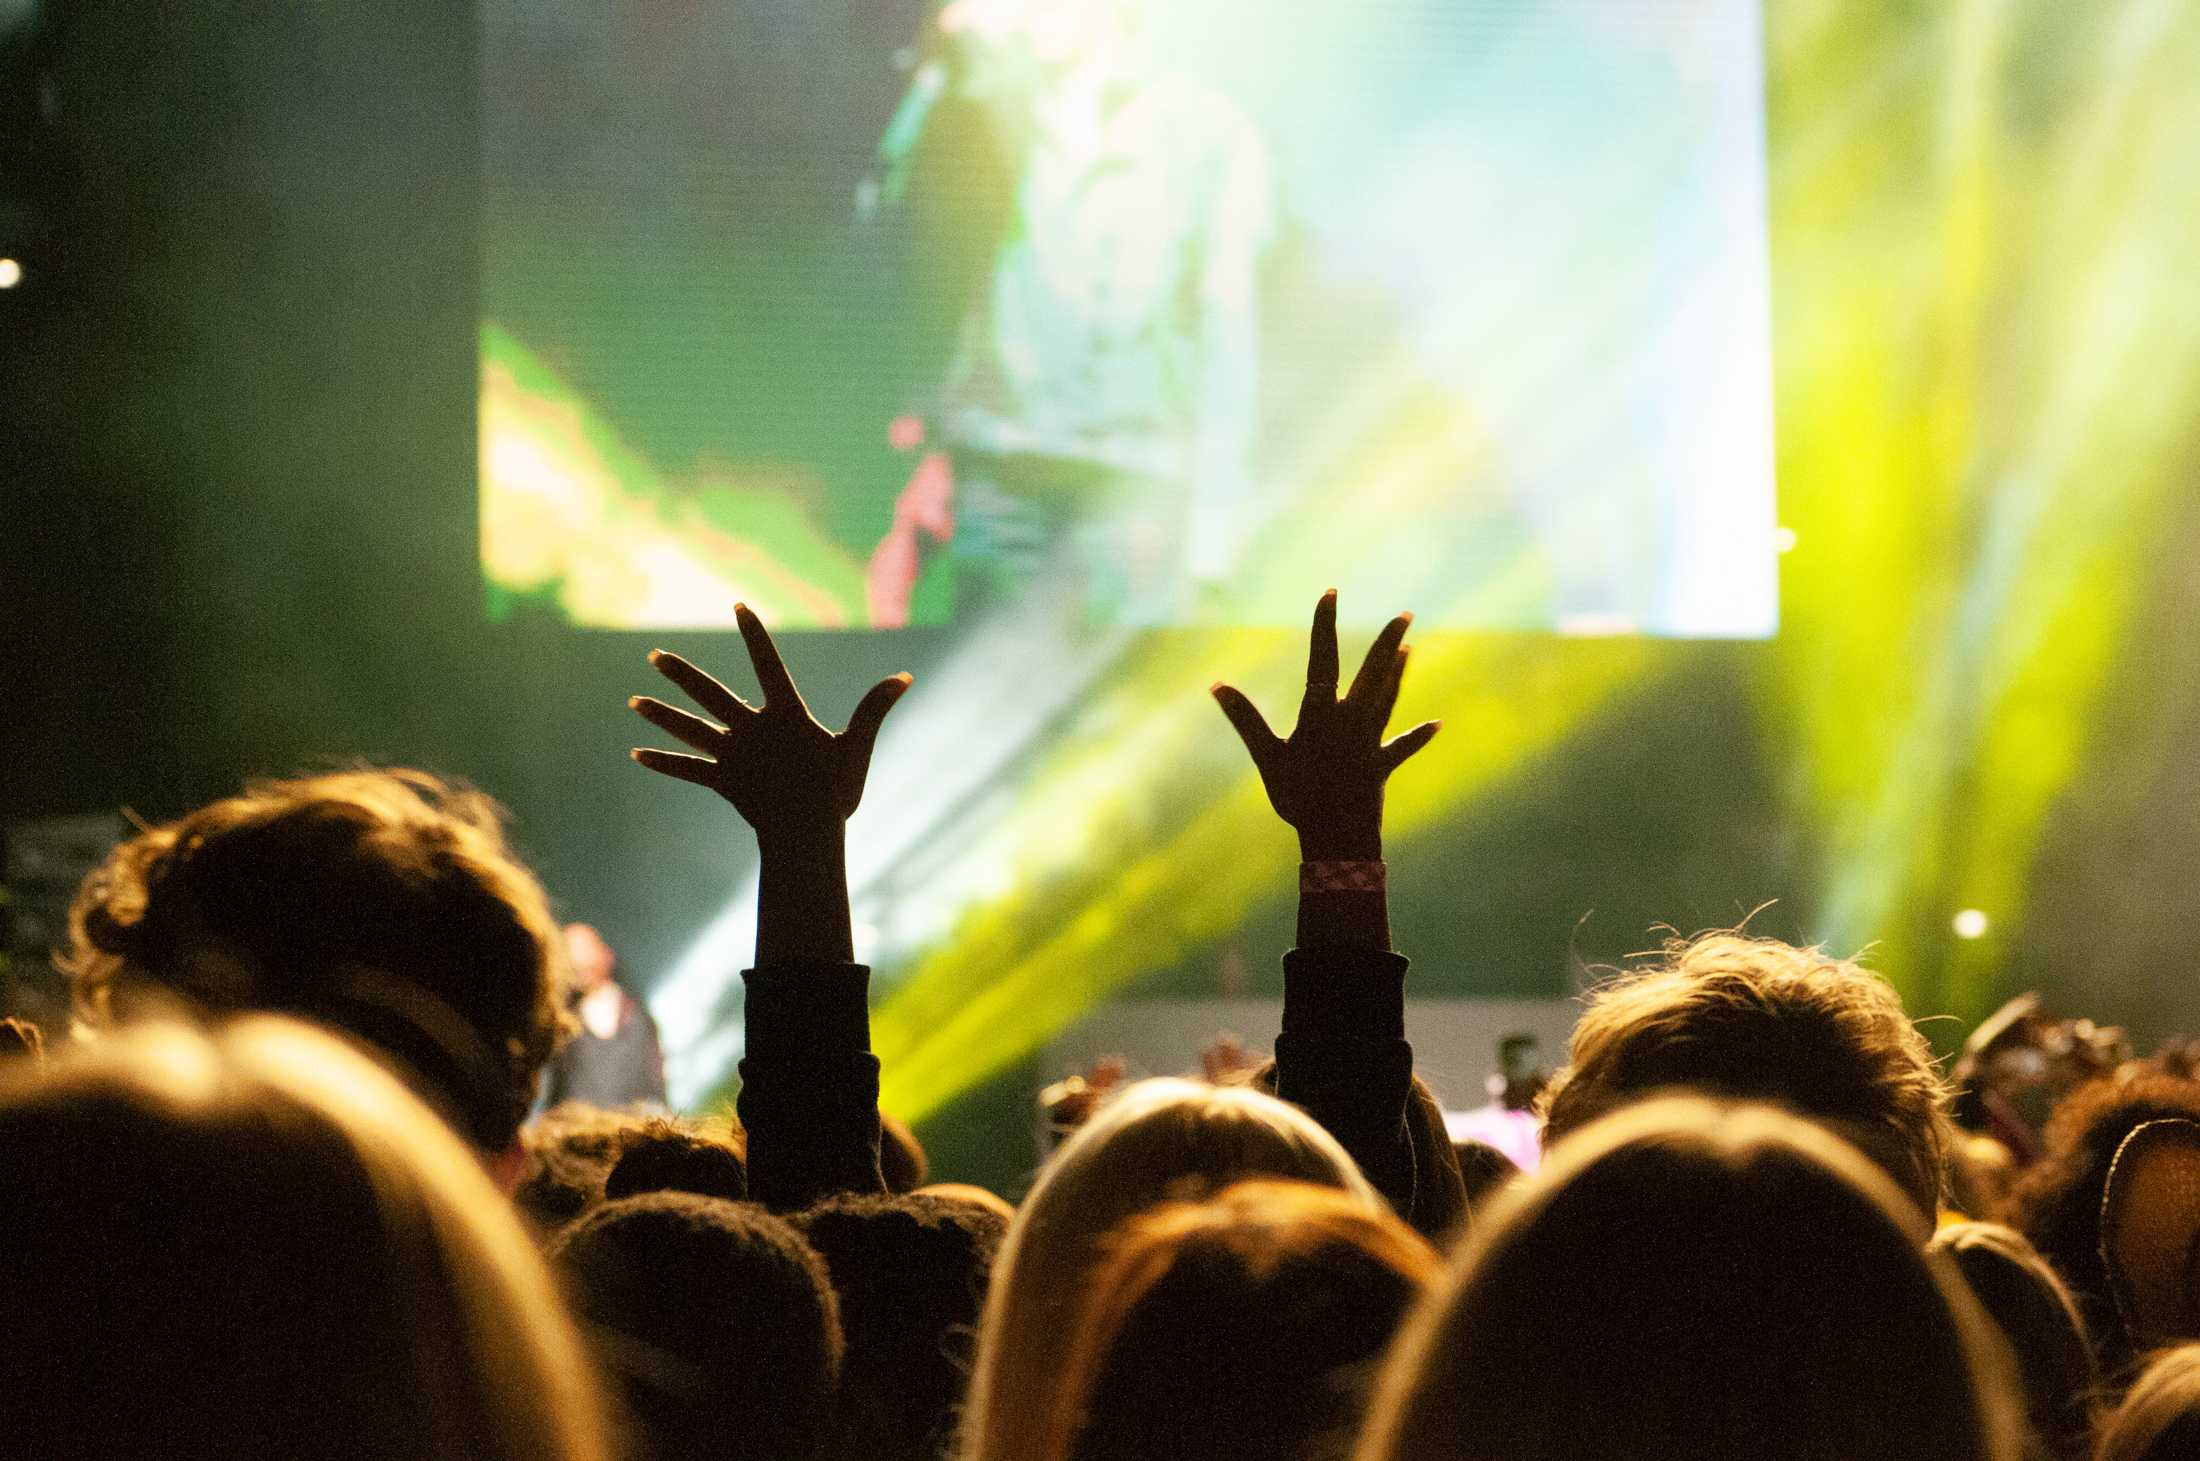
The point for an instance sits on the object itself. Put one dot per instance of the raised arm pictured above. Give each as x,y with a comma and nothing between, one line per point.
809,1083
1343,1054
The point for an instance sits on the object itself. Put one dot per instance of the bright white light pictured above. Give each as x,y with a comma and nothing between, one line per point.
11,273
1784,540
1972,923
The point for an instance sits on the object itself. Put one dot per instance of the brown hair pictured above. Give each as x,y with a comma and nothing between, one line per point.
2159,1419
1248,1324
259,1242
1755,1019
1686,1279
386,904
1150,1142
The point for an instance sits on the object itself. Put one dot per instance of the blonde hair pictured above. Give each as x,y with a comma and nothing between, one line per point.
384,903
1250,1321
259,1235
1688,1279
1155,1141
1754,1019
2160,1414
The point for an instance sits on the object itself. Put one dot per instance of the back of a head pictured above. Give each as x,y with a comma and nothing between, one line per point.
911,1272
1439,1206
2159,1419
715,1320
261,1245
1246,1325
569,1150
1686,1280
2035,1313
385,904
1484,1170
1153,1142
2057,1201
662,1154
1751,1019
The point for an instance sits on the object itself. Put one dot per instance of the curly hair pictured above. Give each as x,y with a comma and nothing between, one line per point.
1756,1019
386,904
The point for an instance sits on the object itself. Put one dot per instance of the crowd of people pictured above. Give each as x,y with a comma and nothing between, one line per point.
289,1192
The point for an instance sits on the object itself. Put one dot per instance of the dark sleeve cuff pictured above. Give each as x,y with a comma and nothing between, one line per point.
1344,994
799,1010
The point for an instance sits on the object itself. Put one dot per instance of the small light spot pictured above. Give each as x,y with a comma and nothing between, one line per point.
1783,539
1972,923
11,273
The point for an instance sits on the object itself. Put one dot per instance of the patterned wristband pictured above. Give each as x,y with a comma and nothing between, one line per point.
1343,877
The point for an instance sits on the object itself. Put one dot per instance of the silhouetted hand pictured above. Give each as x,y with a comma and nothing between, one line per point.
783,772
1327,779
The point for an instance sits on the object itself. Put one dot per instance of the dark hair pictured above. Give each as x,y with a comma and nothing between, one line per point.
714,1321
663,1155
1439,1207
569,1149
386,904
1687,1280
1752,1019
901,1158
2057,1201
911,1272
1483,1169
1245,1325
2035,1313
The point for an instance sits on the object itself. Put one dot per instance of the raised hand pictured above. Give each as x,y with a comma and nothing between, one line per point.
784,773
1326,779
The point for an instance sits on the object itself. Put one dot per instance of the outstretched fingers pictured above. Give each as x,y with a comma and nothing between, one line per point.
1380,671
1321,648
1397,752
696,769
677,723
700,687
771,671
863,726
1245,718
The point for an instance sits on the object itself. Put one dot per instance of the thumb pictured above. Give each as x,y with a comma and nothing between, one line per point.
863,727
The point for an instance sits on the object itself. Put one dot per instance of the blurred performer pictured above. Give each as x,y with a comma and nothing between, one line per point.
615,1059
1097,418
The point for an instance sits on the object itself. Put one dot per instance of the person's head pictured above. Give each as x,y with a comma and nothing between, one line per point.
589,961
1751,1019
1484,1170
1245,1325
901,1158
1439,1207
569,1150
911,1273
2159,1419
2034,1312
2057,1200
714,1320
1154,1141
257,1243
709,1158
20,1037
384,904
1687,1280
969,1195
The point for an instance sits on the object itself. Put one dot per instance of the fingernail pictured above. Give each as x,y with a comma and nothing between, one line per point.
1215,688
635,754
634,702
1407,616
906,678
656,655
740,609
